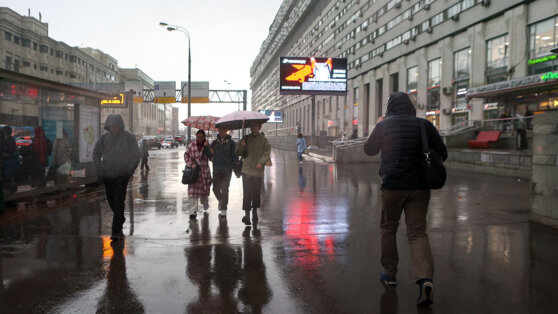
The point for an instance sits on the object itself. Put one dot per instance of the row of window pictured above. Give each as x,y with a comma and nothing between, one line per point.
57,53
425,26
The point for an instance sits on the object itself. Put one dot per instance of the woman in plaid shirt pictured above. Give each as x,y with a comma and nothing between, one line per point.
197,155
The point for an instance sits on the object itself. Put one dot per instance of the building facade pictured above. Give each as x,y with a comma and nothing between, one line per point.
458,59
26,48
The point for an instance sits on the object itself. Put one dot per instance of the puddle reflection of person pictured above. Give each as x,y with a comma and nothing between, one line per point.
198,269
118,297
254,291
227,269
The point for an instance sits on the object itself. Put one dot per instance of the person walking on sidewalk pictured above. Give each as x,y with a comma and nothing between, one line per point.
144,155
255,151
223,149
404,188
197,155
116,156
300,147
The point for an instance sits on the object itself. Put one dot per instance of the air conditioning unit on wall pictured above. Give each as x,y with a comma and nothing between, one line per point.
447,90
455,17
485,3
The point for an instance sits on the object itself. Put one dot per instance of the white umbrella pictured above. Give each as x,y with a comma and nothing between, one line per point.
240,120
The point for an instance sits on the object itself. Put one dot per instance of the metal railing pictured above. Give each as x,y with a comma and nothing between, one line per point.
506,125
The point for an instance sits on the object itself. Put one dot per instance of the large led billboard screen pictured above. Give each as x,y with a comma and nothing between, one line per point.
301,75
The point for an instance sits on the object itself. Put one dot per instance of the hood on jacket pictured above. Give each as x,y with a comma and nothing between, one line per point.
399,103
114,120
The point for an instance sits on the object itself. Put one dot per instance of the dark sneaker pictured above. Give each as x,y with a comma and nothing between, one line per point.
193,216
387,279
426,292
246,220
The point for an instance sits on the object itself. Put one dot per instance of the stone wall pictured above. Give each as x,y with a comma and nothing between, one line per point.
544,204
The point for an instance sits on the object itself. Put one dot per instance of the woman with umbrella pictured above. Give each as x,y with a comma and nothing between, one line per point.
197,155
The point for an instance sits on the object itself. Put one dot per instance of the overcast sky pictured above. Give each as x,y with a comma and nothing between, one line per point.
226,36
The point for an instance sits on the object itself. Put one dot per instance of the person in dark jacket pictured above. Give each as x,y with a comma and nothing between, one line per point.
224,157
116,156
10,155
398,137
144,155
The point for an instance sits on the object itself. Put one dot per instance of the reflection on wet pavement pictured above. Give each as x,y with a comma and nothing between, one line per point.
314,250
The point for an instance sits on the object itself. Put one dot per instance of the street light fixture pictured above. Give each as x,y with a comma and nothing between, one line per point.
171,28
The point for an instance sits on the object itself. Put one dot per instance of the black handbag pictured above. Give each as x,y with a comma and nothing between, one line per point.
237,168
434,170
190,174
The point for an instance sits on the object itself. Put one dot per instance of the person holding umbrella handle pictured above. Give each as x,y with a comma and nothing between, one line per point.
255,151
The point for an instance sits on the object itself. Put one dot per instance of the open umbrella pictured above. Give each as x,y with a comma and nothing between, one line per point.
201,122
240,120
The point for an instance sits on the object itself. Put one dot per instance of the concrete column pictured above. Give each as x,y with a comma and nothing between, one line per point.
446,83
422,82
478,65
544,203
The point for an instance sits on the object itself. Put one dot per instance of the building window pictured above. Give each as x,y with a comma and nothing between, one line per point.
44,67
497,59
8,36
461,69
8,63
59,54
34,46
25,42
543,36
43,49
16,40
434,78
26,63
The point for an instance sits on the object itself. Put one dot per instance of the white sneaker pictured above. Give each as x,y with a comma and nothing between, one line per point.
300,162
222,212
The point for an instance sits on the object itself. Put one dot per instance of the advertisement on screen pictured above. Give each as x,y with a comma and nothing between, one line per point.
275,116
313,76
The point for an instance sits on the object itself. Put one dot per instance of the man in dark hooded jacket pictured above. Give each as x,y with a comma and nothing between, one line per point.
116,156
398,137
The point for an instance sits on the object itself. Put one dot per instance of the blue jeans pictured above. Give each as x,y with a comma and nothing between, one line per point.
300,156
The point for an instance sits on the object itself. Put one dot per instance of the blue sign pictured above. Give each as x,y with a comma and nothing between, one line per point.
275,116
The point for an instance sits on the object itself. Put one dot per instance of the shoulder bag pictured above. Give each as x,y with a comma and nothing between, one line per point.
190,174
434,170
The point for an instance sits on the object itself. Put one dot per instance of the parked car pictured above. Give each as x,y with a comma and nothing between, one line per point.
179,139
169,142
152,142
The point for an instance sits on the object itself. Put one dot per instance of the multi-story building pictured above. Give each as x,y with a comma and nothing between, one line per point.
25,47
458,59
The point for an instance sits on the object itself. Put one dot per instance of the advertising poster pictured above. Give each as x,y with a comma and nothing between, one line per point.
88,131
313,76
275,116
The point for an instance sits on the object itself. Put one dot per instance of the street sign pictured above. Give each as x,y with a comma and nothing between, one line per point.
165,92
200,92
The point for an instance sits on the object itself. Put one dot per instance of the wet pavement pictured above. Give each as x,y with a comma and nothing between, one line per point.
314,250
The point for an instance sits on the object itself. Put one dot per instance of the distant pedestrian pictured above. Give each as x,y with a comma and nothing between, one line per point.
300,147
42,146
144,155
223,149
505,121
116,156
255,151
404,188
10,155
529,119
197,155
354,135
61,155
520,128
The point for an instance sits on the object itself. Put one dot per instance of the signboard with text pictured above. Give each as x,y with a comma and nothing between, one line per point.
199,90
275,116
164,92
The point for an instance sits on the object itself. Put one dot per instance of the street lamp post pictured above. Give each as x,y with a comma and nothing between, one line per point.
171,28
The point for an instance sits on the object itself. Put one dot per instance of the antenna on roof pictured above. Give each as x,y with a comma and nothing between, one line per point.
40,16
28,12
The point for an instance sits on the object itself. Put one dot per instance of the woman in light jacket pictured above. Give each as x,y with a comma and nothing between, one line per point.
300,146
